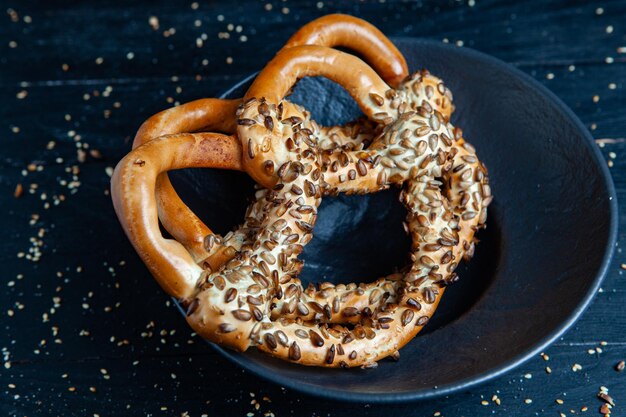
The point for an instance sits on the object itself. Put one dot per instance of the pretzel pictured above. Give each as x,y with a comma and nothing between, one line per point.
252,297
218,115
234,305
382,161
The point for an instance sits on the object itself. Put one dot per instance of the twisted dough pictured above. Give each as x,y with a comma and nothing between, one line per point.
279,148
421,138
252,296
219,115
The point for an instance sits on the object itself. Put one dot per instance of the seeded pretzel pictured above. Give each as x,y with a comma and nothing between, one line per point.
218,115
353,168
375,168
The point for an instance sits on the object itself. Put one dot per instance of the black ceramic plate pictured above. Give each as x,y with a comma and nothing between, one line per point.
549,237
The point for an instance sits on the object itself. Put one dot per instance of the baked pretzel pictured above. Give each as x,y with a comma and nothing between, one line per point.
219,115
255,298
435,148
373,169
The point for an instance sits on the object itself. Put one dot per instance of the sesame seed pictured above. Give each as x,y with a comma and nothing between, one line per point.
153,21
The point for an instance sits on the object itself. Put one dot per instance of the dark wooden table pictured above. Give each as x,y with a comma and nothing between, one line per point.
83,328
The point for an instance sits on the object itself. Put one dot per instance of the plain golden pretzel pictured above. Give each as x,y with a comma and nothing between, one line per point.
210,115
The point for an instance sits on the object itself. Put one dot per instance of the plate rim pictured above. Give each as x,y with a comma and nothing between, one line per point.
542,344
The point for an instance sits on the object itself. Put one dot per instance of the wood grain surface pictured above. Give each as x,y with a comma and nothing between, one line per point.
85,331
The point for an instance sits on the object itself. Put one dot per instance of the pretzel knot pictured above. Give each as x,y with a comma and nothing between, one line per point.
248,293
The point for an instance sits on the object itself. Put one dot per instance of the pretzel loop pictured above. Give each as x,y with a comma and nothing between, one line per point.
358,35
133,193
177,218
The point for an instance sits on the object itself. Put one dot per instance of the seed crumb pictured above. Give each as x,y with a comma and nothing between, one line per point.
153,21
604,396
